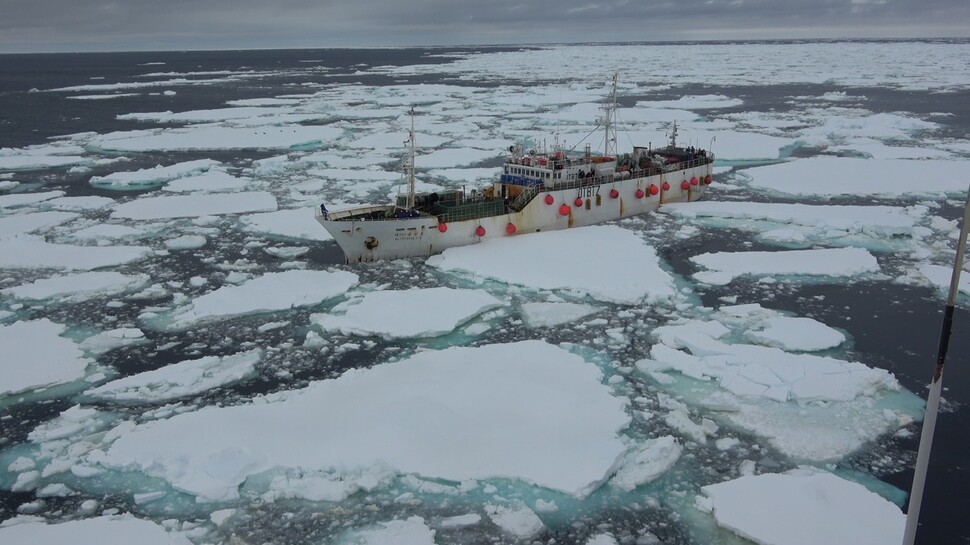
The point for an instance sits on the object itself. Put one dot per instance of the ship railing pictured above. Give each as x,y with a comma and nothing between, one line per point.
634,173
363,213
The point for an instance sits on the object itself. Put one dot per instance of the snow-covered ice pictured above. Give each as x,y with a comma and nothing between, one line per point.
615,265
804,507
181,379
148,177
78,287
390,314
189,206
104,530
35,355
412,531
644,464
797,333
842,176
526,410
296,223
553,314
30,252
214,137
724,267
270,292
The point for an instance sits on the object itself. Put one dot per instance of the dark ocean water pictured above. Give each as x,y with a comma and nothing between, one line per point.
895,327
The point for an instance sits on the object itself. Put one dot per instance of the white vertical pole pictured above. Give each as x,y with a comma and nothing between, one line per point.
936,387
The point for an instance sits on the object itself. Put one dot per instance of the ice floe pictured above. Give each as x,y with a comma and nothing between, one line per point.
796,333
189,206
30,252
615,264
526,410
39,162
104,530
518,520
412,531
724,267
14,200
78,287
216,137
296,223
391,314
35,355
270,292
553,314
644,464
150,177
179,379
837,176
803,507
765,390
11,226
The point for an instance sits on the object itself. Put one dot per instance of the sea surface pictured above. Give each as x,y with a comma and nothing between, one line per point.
892,324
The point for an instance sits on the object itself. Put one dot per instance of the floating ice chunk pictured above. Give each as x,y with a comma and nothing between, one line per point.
210,137
803,507
212,181
796,333
186,242
11,226
106,231
833,176
827,262
40,162
460,521
105,530
198,116
72,288
455,157
150,177
188,206
518,520
555,425
695,102
36,356
102,97
7,185
33,252
180,379
553,314
602,539
268,293
465,175
883,221
298,223
90,202
647,462
329,486
941,277
109,340
392,314
14,200
615,265
412,531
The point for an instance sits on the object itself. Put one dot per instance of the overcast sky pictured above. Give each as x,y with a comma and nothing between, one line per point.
125,25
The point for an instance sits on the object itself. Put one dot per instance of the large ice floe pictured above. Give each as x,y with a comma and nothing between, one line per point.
803,507
391,314
30,252
528,411
188,206
270,292
148,177
78,287
46,360
763,389
615,265
824,263
105,530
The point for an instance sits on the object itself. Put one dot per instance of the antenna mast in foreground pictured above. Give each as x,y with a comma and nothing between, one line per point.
409,163
936,387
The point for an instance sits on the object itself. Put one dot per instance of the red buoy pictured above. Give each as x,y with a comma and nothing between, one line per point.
639,194
693,181
442,227
665,186
653,190
614,193
685,185
510,228
564,210
480,231
578,202
708,180
549,199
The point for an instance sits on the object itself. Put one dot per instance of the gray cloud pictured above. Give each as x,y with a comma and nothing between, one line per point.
97,25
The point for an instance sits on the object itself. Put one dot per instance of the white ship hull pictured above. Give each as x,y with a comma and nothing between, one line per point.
372,240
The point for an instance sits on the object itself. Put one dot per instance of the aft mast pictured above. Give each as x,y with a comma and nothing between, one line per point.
409,164
609,122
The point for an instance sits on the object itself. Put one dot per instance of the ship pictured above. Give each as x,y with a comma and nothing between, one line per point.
536,191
